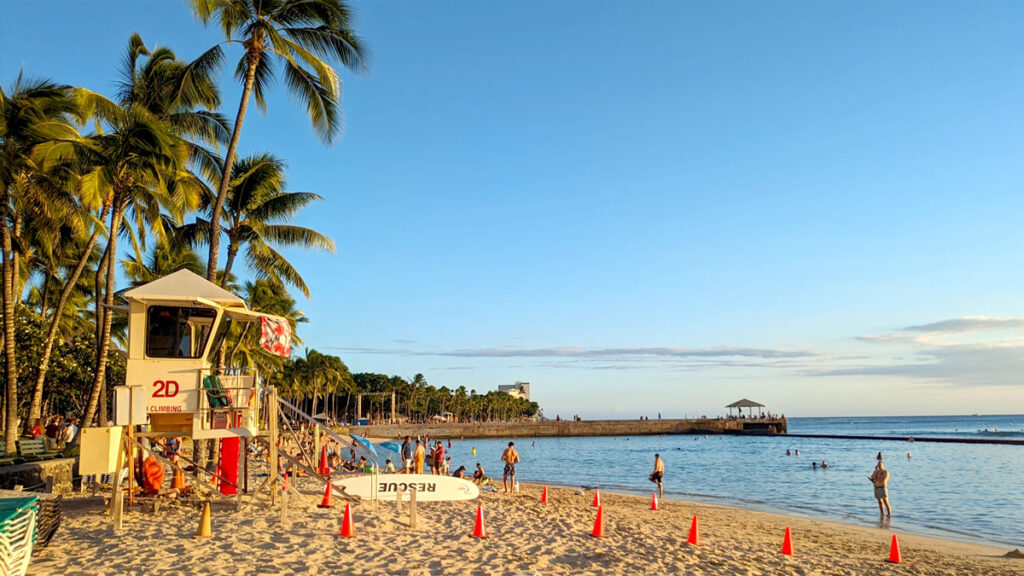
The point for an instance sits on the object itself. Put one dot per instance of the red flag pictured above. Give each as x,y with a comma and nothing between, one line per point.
276,336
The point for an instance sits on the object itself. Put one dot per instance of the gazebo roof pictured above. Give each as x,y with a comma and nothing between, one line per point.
744,403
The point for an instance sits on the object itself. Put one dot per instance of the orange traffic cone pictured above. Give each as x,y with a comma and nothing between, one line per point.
894,551
694,533
179,480
323,469
598,531
478,528
544,496
326,502
787,543
348,529
597,498
654,501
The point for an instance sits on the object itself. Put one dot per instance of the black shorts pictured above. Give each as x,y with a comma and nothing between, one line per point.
656,477
510,469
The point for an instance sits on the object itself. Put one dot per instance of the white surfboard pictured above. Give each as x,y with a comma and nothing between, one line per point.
429,488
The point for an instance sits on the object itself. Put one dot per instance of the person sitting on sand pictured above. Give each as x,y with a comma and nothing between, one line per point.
880,478
389,467
479,477
460,473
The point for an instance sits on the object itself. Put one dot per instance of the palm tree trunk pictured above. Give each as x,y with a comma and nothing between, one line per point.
229,163
232,252
34,412
11,399
99,383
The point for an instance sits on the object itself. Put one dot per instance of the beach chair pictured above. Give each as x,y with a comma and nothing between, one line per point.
17,534
48,516
215,392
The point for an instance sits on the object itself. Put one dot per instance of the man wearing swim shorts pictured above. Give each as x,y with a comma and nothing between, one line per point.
880,478
658,474
510,457
407,455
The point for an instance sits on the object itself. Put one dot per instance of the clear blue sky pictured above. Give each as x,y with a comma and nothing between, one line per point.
650,206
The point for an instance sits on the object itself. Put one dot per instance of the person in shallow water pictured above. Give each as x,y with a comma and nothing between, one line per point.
880,479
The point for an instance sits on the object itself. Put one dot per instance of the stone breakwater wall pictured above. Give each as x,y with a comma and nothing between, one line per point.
568,428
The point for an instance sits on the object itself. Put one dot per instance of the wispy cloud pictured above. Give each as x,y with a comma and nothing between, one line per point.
967,351
969,324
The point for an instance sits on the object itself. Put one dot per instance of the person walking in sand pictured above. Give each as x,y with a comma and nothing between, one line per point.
880,478
510,457
658,474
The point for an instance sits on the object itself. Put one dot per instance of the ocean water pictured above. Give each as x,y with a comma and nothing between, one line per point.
972,492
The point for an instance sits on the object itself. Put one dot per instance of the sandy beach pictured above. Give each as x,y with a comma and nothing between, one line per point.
525,537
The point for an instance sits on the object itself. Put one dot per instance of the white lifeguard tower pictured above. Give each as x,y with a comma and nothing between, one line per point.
176,327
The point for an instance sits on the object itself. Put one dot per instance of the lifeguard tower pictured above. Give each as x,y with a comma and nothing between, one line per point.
177,326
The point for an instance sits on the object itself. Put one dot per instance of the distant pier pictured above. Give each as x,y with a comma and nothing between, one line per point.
564,428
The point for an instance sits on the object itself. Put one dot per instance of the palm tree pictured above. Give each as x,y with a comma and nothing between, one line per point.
32,112
165,258
142,160
255,217
302,36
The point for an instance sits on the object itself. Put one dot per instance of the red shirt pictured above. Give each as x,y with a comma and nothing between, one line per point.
439,455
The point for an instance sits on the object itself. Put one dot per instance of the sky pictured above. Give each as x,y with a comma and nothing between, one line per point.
647,207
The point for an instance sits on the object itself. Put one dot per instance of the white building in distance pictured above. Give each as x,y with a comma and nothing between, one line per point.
519,389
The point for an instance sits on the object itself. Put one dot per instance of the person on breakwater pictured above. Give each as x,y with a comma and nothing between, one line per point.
658,474
510,457
880,479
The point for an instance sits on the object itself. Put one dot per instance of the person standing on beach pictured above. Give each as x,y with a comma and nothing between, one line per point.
407,455
658,474
417,457
510,457
880,478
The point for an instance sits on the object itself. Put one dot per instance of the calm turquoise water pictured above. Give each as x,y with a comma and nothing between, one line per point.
962,491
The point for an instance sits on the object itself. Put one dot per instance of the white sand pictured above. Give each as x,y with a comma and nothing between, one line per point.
526,537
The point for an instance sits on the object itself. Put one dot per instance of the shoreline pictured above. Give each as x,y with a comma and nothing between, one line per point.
525,537
736,504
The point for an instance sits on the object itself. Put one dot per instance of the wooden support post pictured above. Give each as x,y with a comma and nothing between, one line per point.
412,508
273,461
116,498
398,501
316,443
245,471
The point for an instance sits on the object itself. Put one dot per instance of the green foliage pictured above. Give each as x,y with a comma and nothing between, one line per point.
72,366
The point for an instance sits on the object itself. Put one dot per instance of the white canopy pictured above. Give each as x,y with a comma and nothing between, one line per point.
185,286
